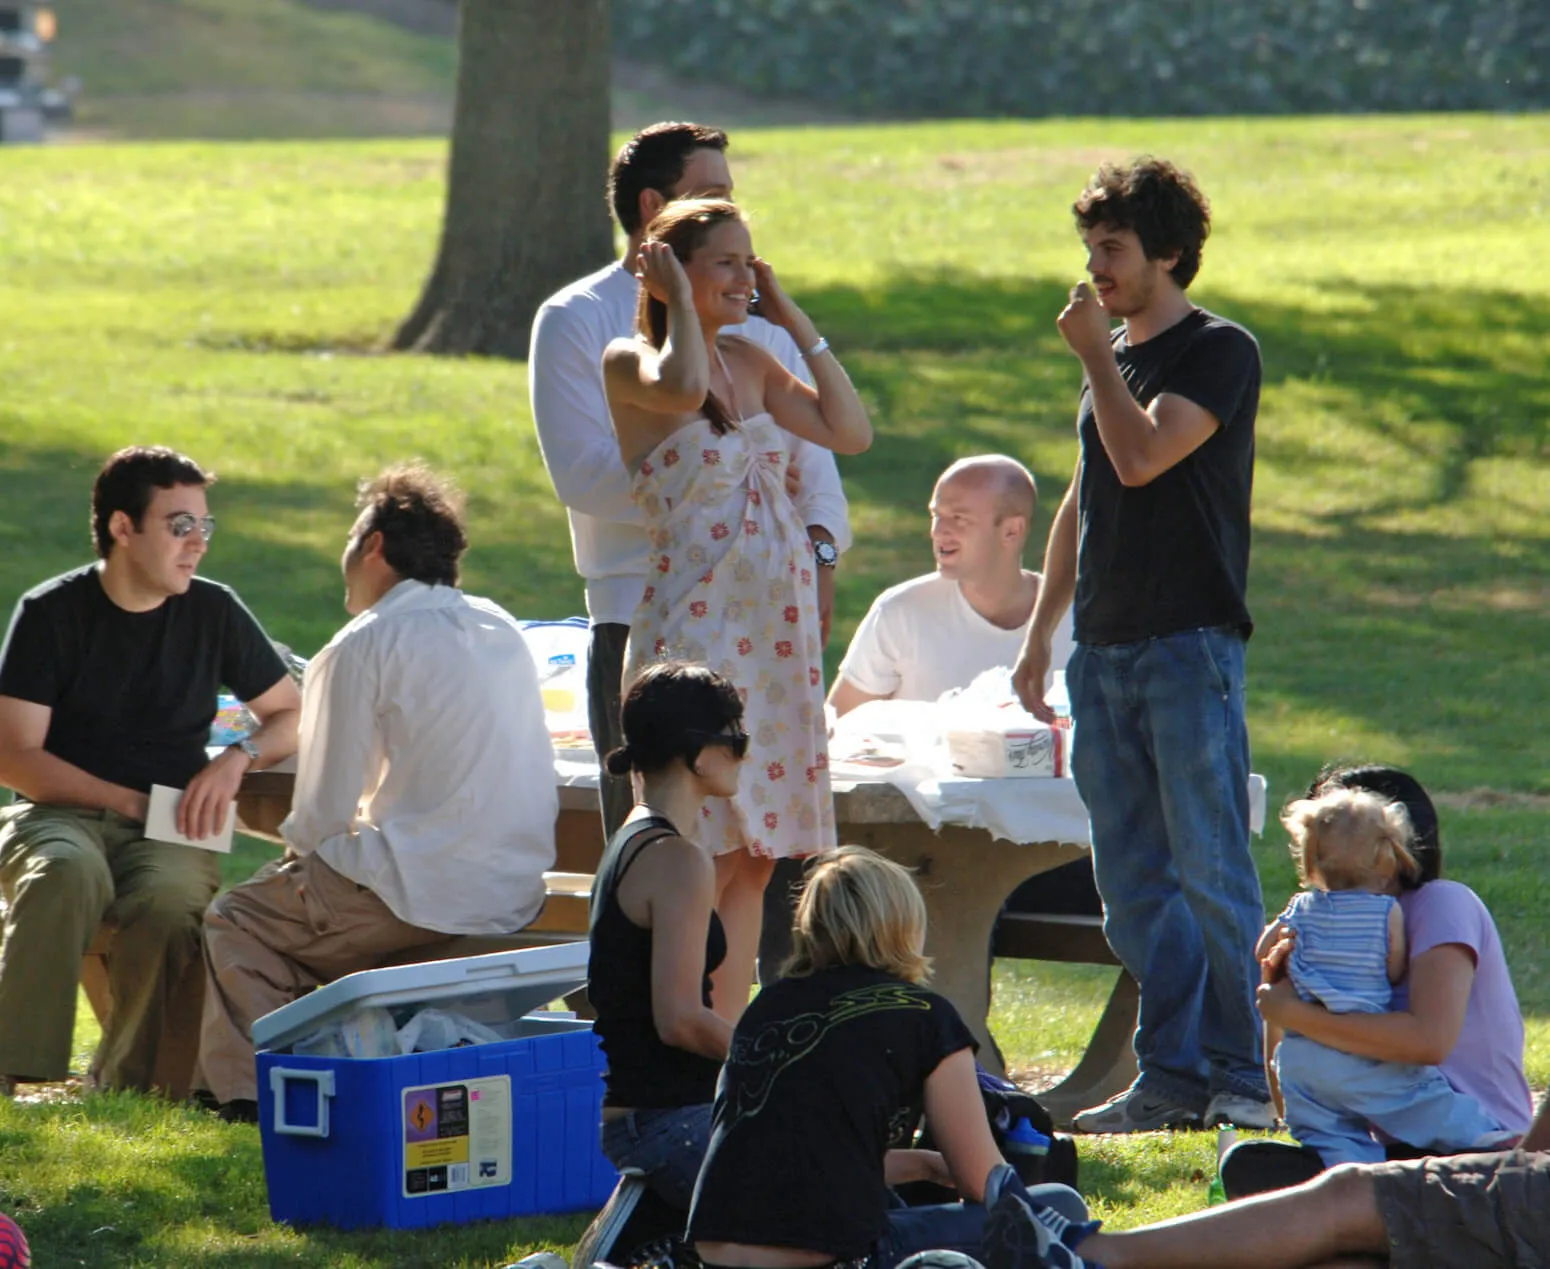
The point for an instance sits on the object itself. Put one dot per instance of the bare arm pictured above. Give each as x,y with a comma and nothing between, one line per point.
845,696
38,775
203,807
675,378
1440,982
1142,444
829,413
1055,595
682,894
1399,947
900,1167
955,1113
1538,1137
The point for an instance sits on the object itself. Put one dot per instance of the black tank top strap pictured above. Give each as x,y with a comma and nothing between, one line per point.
635,833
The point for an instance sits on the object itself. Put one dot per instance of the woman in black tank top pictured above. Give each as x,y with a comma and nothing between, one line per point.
655,935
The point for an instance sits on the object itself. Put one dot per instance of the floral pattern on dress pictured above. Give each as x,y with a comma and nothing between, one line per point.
733,588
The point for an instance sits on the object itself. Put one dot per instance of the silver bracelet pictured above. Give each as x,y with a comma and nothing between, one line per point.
822,346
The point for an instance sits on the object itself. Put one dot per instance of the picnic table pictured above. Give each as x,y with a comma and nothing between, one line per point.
965,875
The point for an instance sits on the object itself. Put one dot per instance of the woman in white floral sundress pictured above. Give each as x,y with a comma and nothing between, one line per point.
731,584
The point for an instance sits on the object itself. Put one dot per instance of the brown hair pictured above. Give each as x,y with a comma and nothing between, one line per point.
684,226
858,908
655,158
420,517
1347,839
1160,202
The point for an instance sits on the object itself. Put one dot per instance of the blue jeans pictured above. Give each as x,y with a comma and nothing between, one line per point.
1332,1098
667,1145
1161,759
957,1226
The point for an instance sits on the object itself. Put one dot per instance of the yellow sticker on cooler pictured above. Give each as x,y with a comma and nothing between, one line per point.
456,1136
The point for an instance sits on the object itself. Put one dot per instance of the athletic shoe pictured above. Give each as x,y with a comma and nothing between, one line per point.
541,1260
1136,1110
1023,1234
939,1260
1240,1112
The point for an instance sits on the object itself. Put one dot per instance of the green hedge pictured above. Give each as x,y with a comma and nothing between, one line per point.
919,58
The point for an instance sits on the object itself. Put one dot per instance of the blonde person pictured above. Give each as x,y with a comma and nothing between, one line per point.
827,1068
1352,848
705,427
656,938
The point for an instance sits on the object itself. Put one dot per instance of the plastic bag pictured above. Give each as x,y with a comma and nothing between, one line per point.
433,1029
365,1033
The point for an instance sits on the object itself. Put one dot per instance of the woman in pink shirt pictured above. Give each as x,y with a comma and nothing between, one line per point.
1456,1008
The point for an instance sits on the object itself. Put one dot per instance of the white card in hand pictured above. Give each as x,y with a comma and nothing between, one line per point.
161,822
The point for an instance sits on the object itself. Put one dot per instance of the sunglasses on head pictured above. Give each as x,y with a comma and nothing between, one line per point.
181,523
736,741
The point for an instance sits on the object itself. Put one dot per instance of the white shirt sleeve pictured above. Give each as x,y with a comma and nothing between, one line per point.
872,661
820,496
339,746
570,411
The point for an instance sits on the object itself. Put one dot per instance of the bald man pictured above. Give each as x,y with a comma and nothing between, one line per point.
938,632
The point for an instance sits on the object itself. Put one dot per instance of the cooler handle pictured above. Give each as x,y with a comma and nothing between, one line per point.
279,1076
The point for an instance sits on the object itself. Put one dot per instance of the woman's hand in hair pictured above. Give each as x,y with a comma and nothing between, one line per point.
775,305
662,274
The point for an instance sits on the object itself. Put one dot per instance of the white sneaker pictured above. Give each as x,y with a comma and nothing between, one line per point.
1240,1112
1136,1110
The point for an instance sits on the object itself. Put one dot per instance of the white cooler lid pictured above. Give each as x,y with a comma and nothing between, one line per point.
509,984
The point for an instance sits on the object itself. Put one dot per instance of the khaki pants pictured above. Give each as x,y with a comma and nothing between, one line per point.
62,872
296,925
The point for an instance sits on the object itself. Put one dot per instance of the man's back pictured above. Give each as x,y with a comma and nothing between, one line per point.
425,712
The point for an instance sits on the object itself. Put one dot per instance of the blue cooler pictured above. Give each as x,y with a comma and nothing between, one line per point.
487,1131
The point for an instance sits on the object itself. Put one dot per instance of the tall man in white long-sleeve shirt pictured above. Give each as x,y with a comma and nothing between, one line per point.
425,801
574,326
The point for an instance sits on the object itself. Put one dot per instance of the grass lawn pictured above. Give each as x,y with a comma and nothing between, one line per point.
224,299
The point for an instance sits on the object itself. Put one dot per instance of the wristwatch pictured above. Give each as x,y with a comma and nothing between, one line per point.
825,554
247,746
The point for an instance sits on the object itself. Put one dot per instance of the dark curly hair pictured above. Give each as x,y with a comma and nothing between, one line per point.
668,710
127,481
420,517
654,158
1160,202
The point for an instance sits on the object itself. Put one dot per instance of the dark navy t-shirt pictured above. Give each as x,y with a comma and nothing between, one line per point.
825,1073
133,693
1173,554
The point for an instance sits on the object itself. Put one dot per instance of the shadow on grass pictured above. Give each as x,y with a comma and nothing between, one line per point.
129,1180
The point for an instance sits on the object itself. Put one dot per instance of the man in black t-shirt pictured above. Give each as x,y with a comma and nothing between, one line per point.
108,684
1152,541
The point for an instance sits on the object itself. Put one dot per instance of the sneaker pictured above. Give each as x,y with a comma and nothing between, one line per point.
1021,1233
1240,1112
541,1260
1136,1110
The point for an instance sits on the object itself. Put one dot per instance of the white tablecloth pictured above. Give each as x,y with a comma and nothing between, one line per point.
1034,809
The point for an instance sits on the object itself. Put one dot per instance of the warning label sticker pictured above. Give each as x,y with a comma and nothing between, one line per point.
457,1136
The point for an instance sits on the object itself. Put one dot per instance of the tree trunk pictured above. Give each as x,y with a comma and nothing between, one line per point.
525,202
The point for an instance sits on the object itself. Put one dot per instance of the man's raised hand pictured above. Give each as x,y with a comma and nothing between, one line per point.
1084,324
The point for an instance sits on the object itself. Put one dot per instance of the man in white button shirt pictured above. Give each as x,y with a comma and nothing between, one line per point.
575,433
425,799
934,633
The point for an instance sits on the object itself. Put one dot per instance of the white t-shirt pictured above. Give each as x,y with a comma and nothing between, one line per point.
424,771
922,638
581,452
